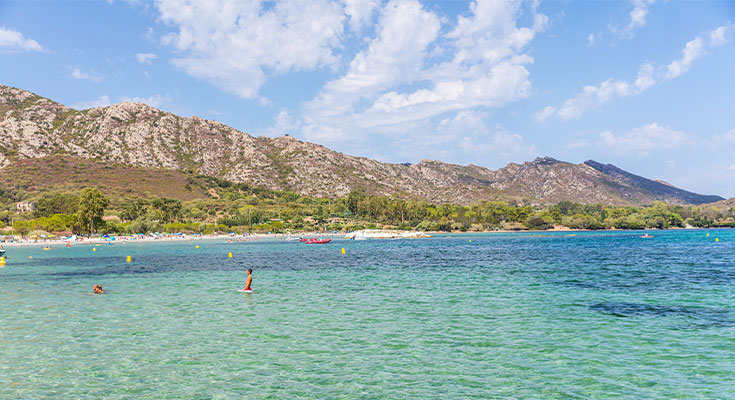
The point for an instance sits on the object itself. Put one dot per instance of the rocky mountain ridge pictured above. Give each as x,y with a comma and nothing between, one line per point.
139,135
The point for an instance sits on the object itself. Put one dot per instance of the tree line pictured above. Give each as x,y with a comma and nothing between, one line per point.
244,209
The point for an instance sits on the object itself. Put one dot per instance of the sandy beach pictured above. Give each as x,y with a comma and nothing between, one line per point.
121,240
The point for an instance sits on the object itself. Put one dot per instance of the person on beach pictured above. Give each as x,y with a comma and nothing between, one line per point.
248,281
97,289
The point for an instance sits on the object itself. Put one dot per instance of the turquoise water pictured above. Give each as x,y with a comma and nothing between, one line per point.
596,315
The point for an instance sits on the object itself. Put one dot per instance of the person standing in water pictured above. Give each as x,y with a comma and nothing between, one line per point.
248,281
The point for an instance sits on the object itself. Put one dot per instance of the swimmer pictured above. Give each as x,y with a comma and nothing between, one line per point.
248,281
97,289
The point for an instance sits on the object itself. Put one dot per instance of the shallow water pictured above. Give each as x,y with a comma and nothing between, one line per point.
596,315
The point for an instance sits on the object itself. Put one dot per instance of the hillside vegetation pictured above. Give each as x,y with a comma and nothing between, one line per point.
65,173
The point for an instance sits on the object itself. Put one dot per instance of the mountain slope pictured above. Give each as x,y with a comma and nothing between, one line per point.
63,173
724,204
138,135
662,190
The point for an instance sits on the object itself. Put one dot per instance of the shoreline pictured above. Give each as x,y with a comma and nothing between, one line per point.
271,236
167,238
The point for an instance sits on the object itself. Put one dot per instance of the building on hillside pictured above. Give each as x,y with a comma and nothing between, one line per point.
24,206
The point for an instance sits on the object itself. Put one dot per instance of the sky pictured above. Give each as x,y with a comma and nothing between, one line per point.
646,85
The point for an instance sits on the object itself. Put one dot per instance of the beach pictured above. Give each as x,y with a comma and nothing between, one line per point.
163,238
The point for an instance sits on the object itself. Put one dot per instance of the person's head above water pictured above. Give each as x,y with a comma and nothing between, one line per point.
249,271
97,289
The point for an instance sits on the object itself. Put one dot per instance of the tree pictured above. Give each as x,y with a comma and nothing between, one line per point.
320,216
354,199
92,204
539,222
169,209
133,210
55,203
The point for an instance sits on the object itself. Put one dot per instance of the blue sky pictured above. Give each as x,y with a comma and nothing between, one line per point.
647,85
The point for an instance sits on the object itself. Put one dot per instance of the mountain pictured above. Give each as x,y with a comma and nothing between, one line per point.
134,134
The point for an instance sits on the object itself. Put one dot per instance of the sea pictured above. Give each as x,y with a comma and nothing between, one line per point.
562,315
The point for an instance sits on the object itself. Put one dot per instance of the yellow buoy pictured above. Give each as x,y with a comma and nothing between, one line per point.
717,239
470,240
708,234
229,255
2,260
128,259
343,250
94,249
197,246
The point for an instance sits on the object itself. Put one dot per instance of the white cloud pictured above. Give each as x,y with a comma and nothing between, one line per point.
485,68
544,114
77,73
477,141
719,36
638,15
143,4
146,58
465,137
393,57
360,12
102,101
499,144
593,97
591,39
323,133
645,78
14,41
236,45
641,141
285,124
638,19
692,51
153,101
695,49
